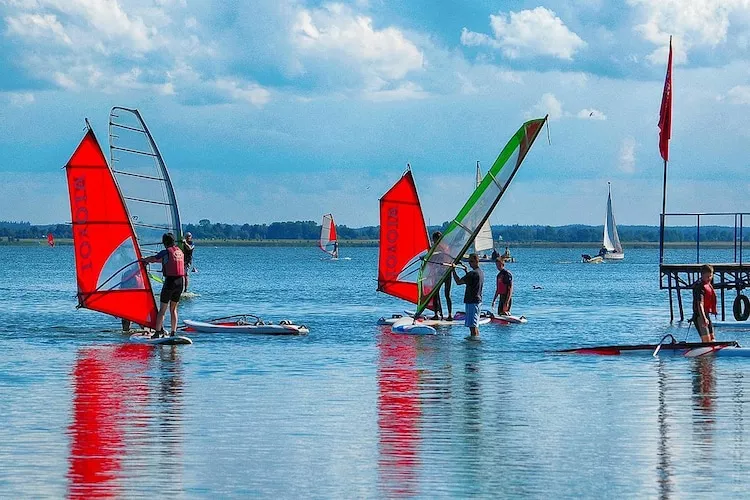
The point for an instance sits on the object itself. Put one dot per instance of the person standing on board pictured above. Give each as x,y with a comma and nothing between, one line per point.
503,288
704,304
474,281
440,256
187,249
335,250
173,266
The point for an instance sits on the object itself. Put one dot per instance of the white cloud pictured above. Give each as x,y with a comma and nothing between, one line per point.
20,99
335,33
38,26
528,33
627,155
107,46
739,94
405,91
248,92
548,104
694,23
591,114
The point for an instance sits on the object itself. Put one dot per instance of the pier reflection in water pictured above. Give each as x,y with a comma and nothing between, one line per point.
125,423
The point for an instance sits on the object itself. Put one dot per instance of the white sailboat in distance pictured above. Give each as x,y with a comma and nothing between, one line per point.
611,240
611,247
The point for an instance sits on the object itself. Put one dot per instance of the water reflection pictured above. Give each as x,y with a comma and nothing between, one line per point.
121,425
398,415
664,456
704,411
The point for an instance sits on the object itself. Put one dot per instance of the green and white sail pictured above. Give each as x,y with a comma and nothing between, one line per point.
438,265
143,180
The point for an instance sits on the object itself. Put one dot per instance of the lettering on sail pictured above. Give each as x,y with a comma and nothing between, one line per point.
80,224
391,241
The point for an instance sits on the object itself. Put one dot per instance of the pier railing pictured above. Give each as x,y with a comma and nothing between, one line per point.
699,224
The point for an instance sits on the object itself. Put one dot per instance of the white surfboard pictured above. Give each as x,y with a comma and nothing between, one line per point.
146,338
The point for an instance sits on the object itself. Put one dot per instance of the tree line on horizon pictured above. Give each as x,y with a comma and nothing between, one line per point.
310,230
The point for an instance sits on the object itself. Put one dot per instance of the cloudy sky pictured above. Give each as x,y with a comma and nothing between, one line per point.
285,109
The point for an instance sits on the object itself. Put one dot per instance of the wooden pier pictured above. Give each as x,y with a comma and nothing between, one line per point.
730,278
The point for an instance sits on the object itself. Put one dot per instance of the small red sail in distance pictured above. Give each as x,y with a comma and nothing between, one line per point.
50,239
111,279
403,239
328,238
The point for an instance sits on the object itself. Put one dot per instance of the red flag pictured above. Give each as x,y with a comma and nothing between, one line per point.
665,115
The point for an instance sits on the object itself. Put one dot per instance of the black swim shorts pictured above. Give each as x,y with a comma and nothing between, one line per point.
172,289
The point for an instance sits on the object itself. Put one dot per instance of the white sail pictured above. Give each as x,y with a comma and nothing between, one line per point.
483,241
611,239
143,180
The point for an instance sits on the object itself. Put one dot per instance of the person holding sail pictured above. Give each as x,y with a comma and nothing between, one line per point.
474,281
173,267
188,247
441,256
503,288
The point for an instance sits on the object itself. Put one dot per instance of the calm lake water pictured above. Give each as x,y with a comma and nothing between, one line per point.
354,411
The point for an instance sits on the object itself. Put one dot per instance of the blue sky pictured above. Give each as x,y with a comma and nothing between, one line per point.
286,109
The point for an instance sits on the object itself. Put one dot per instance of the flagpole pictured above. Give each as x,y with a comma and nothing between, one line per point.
665,127
663,214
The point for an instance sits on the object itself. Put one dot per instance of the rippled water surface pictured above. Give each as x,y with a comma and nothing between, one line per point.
352,410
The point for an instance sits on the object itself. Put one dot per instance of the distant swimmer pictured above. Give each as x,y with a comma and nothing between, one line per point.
474,281
536,287
503,288
173,266
704,304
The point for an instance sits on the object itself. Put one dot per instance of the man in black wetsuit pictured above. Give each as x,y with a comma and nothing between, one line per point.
187,249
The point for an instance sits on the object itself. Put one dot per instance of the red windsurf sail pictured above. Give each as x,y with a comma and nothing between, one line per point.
111,278
403,240
50,239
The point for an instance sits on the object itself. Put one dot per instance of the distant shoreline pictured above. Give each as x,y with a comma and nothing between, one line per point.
593,245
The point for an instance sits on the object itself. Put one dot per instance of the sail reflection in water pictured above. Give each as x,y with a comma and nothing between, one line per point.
398,415
120,426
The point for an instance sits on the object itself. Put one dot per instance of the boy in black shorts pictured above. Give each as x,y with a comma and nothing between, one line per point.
173,266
